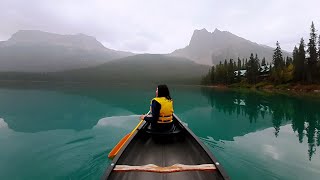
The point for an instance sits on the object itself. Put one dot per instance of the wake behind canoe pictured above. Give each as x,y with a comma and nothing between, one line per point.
177,156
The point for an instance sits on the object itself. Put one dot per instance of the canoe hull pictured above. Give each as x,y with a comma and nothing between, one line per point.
183,148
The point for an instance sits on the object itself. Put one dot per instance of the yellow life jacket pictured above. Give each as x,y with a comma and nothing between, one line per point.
166,110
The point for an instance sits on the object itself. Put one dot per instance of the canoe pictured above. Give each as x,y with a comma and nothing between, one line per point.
172,155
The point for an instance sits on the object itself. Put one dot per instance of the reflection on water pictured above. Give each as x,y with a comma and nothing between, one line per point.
117,121
304,115
3,124
61,154
266,155
34,110
66,131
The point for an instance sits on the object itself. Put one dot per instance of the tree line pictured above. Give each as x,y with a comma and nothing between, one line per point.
302,67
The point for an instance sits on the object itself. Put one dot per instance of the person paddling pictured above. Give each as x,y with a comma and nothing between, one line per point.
161,108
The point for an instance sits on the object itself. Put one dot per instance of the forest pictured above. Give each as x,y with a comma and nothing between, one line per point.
303,67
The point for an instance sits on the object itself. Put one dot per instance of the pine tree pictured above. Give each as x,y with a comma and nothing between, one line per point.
252,69
243,64
230,74
301,58
277,57
318,67
278,64
257,60
319,47
263,62
225,72
212,75
313,56
296,74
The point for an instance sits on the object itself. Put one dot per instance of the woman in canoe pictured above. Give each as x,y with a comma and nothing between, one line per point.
161,110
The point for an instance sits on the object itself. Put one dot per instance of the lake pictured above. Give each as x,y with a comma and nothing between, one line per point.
65,131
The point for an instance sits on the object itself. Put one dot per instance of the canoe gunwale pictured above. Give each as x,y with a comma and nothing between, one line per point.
205,148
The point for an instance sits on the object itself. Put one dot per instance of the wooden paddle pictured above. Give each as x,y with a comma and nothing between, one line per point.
117,148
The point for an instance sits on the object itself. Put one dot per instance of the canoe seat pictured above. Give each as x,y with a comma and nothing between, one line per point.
167,169
173,131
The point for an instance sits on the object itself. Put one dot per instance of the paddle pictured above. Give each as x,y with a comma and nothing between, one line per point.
117,148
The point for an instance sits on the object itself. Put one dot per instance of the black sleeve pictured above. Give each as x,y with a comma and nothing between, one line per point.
155,107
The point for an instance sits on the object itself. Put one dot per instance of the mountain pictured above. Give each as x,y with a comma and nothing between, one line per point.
37,51
210,48
142,68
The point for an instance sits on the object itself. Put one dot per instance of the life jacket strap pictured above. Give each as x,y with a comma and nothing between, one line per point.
165,119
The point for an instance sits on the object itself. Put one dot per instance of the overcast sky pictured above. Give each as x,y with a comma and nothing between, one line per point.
150,26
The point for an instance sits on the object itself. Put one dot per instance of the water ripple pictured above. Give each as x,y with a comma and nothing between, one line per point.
80,140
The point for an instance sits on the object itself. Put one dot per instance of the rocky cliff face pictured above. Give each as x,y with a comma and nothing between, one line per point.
210,48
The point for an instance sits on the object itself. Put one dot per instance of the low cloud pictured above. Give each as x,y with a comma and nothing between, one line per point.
162,26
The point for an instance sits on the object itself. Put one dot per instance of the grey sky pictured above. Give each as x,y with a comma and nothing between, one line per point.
149,26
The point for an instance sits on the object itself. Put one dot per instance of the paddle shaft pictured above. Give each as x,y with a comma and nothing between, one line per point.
120,144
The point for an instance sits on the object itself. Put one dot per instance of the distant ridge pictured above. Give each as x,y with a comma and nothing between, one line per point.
38,51
210,48
137,69
141,68
81,41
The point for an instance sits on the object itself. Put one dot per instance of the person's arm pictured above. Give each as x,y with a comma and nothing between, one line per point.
155,112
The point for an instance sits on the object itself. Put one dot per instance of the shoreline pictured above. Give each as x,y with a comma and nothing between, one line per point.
301,90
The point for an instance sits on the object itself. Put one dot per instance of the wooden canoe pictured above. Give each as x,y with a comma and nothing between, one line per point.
178,154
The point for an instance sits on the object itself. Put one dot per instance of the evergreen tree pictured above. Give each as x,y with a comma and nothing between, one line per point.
238,74
257,61
243,64
212,75
263,62
239,64
296,73
301,58
230,74
252,69
277,71
318,67
319,47
225,72
313,56
277,57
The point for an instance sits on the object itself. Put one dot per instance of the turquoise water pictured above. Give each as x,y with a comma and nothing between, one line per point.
66,131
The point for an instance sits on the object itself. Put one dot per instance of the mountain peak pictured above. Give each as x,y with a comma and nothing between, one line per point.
81,41
200,31
204,30
210,48
199,36
216,30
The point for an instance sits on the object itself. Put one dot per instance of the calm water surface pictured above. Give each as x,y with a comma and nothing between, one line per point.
66,131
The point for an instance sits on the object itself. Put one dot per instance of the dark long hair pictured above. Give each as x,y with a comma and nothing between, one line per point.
163,91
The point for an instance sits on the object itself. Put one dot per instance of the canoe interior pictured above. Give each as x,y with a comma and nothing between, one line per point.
182,148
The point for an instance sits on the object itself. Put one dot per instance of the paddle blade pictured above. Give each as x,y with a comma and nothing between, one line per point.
117,148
